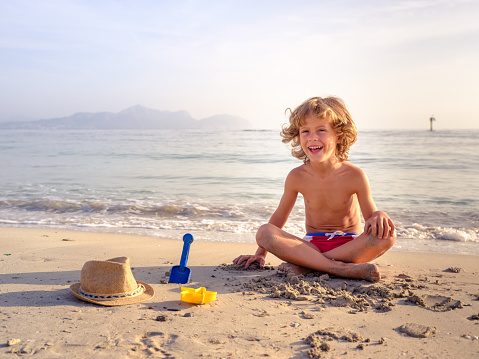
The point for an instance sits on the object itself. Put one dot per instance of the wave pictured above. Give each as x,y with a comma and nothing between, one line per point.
138,208
438,233
213,219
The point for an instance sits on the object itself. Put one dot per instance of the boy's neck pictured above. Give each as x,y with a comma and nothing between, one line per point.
325,167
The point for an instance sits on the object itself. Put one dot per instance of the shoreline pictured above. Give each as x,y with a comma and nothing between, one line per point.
408,245
257,313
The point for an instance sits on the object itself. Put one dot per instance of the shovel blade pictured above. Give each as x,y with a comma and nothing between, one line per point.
180,275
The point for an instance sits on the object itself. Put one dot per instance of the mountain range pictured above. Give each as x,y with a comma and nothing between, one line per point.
136,117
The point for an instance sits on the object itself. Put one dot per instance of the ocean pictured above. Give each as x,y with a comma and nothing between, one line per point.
222,185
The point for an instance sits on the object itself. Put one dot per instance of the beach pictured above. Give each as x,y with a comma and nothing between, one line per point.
126,131
425,306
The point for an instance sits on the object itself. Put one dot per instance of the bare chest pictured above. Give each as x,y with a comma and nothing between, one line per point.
328,195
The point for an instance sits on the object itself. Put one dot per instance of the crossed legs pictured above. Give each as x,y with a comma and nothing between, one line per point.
349,260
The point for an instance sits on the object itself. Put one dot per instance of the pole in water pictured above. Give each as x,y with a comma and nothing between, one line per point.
431,120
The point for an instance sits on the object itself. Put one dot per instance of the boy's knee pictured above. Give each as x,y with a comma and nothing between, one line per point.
390,240
264,232
383,243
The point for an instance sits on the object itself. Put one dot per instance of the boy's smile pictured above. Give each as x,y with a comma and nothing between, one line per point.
315,149
318,139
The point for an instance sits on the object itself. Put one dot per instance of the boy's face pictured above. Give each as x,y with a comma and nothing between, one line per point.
318,139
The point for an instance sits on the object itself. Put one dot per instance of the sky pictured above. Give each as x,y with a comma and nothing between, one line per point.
394,63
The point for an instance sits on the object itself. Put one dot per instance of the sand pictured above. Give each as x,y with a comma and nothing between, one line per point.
425,306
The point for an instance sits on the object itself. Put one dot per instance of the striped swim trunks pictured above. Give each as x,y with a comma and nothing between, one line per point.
327,241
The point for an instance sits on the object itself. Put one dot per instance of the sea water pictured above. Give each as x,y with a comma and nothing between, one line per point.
222,185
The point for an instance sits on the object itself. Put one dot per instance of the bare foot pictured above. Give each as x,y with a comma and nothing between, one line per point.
366,271
293,269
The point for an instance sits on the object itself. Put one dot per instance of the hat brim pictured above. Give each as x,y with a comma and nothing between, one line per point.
146,295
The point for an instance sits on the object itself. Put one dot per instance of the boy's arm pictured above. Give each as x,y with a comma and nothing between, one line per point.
278,219
376,222
281,215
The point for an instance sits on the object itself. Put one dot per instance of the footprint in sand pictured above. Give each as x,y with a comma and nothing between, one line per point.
153,343
437,303
417,330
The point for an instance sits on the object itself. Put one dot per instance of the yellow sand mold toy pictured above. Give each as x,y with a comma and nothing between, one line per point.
197,296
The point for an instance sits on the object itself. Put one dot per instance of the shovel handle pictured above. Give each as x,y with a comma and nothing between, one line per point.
187,240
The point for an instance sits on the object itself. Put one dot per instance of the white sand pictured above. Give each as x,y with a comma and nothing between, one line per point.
39,315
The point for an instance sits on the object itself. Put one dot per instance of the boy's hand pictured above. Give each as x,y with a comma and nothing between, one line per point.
380,225
250,259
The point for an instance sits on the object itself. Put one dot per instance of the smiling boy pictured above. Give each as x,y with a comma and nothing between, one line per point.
335,193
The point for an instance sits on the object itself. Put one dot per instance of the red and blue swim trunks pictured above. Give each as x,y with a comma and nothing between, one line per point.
327,241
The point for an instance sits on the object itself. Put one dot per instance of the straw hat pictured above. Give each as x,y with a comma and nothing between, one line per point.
110,283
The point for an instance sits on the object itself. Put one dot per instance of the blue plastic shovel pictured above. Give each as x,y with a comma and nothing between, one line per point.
181,274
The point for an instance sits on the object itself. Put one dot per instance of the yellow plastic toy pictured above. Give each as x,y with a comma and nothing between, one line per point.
197,296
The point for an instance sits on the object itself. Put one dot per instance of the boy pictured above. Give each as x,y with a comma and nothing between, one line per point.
335,194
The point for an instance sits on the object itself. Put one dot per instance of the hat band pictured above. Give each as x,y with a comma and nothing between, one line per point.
138,291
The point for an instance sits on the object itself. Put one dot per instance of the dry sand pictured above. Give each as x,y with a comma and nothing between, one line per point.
426,305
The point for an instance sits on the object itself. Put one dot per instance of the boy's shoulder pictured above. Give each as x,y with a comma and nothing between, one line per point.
351,171
354,175
348,166
297,174
298,171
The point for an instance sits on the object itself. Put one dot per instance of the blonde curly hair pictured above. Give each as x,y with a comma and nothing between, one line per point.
332,108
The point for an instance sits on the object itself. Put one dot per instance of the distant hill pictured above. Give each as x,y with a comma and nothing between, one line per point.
133,118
